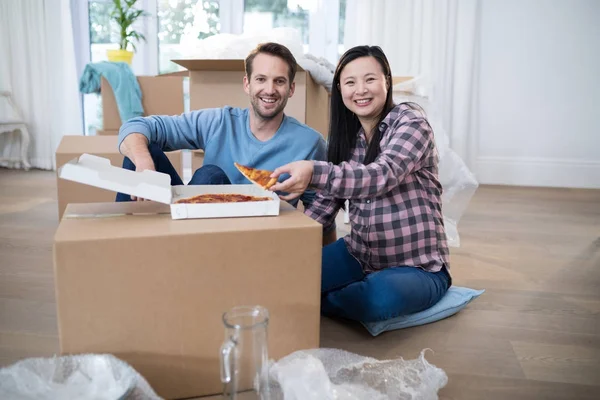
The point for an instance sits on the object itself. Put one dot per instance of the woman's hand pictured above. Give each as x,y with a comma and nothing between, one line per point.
300,175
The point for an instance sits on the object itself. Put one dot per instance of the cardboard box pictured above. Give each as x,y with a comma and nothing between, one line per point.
197,159
151,185
223,79
161,95
152,290
103,132
71,147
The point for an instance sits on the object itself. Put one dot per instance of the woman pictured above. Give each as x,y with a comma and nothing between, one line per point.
383,159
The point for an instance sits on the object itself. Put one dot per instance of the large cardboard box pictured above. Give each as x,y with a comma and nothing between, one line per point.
133,282
71,147
161,95
223,80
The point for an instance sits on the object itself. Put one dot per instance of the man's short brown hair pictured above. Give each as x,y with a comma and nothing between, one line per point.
277,50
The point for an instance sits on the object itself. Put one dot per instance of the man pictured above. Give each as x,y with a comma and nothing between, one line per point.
262,136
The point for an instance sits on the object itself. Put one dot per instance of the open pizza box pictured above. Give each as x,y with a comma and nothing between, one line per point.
156,186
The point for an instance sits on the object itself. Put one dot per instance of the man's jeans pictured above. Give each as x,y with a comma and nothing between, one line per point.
349,293
205,175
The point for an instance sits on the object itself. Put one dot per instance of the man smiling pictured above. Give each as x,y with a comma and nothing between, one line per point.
261,136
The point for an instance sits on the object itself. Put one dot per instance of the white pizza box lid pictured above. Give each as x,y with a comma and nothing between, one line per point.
151,185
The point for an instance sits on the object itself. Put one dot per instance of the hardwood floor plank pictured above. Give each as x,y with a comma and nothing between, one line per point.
16,346
465,386
27,316
559,363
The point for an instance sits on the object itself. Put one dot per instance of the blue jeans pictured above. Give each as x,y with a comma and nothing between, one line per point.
205,175
349,293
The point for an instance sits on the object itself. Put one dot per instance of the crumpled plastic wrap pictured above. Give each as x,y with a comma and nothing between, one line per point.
237,46
458,182
90,377
315,374
333,374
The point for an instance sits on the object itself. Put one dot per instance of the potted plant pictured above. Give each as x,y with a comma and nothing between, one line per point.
125,16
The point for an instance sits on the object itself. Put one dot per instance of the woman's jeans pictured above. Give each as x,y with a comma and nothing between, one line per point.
348,292
205,175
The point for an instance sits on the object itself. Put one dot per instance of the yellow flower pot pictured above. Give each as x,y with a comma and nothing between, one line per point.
120,56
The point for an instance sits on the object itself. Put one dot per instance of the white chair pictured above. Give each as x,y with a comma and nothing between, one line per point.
11,120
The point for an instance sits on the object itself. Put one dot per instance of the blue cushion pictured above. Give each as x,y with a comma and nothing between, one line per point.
455,299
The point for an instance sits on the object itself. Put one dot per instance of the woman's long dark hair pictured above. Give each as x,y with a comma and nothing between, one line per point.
343,123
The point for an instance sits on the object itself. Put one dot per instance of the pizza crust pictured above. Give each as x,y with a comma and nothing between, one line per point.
253,175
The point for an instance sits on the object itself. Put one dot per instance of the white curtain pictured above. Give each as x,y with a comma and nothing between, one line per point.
37,64
436,41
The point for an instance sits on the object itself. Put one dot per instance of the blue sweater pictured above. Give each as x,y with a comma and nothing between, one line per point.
224,135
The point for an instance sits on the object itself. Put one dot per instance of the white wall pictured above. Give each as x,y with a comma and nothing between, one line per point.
539,99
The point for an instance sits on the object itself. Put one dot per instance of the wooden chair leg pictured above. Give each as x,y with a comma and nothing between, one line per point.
25,140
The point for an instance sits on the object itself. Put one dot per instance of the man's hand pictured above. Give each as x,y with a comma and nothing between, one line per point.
300,176
135,147
143,163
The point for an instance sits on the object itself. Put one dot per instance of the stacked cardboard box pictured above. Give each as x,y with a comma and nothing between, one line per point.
161,95
223,80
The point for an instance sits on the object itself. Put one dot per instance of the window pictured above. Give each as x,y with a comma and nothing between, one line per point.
181,19
174,25
261,15
102,38
173,21
341,26
102,30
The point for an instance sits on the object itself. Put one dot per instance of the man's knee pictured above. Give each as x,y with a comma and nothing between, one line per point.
209,175
209,168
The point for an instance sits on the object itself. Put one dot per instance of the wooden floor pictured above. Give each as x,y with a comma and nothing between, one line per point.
534,334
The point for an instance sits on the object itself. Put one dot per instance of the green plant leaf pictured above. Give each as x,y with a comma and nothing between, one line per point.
125,16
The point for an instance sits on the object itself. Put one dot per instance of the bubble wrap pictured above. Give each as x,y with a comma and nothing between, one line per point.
90,377
332,374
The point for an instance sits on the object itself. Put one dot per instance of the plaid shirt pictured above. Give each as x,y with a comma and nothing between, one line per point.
395,202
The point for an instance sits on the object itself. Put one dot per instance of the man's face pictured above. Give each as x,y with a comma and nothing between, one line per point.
269,85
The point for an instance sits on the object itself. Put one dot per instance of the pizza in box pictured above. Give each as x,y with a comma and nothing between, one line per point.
221,198
258,176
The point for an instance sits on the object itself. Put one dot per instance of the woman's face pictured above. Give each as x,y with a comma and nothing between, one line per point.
364,87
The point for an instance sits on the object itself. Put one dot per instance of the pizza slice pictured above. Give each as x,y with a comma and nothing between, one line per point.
259,176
